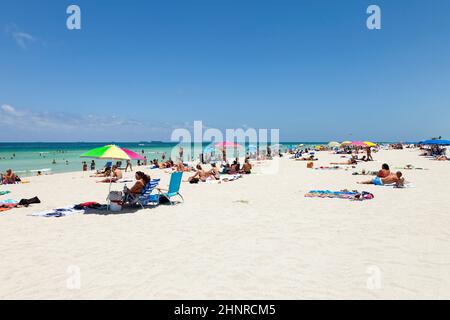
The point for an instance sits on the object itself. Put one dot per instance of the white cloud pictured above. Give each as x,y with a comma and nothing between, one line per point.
22,39
26,125
8,109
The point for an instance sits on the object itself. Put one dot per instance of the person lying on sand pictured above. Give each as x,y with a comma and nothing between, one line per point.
247,167
180,167
310,158
384,172
105,173
10,177
116,175
141,181
350,161
396,179
165,165
200,175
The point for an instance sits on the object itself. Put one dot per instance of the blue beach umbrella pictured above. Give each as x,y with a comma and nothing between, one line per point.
436,142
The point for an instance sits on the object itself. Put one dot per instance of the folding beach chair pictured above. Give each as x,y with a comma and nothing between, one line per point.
174,188
146,196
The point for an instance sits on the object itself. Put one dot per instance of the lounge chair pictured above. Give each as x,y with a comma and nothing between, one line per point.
173,191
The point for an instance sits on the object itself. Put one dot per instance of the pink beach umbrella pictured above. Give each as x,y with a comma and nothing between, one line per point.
359,144
227,144
224,145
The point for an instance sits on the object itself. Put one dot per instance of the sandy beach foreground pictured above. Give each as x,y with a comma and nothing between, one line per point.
254,238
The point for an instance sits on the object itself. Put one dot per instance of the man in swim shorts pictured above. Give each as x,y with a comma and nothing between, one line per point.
396,179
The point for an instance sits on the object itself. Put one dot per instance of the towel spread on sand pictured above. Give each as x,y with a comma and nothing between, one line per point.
57,213
2,193
350,195
8,204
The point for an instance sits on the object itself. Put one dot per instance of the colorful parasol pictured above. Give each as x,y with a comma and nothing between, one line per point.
112,152
370,144
227,144
358,144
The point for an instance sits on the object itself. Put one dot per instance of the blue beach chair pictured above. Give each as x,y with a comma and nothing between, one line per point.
173,191
146,196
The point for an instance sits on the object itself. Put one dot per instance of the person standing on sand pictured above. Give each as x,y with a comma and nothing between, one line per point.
369,154
84,166
128,166
92,165
180,153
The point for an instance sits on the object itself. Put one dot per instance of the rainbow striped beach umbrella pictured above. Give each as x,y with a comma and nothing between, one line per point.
112,152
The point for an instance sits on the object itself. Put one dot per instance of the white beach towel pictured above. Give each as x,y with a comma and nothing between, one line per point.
61,212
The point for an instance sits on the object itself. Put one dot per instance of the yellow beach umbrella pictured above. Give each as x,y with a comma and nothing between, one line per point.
370,144
346,143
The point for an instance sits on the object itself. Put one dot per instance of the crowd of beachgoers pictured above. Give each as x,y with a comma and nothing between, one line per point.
292,226
224,171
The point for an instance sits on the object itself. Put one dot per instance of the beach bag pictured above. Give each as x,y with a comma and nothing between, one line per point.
310,165
115,196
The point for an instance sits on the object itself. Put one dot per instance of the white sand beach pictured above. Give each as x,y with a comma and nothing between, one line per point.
255,238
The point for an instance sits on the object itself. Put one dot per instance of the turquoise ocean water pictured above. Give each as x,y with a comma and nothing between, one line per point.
27,158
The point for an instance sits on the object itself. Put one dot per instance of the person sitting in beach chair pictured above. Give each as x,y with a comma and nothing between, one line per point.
10,177
131,194
116,175
393,179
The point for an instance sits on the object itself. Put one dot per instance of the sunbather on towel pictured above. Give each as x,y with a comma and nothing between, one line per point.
180,167
104,173
141,181
384,172
350,161
213,173
200,175
247,167
396,179
116,175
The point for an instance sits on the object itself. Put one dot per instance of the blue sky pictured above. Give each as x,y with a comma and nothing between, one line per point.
138,69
